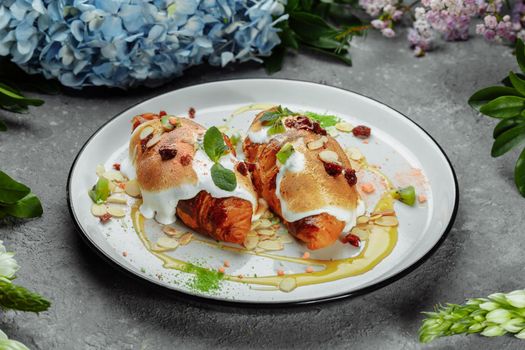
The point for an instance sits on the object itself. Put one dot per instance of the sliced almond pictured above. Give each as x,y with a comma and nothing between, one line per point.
172,231
113,175
285,238
167,242
132,188
252,234
385,213
98,209
100,170
270,245
355,165
375,230
375,217
116,211
363,219
288,284
148,130
116,189
316,144
389,221
266,232
264,223
328,156
186,238
117,199
251,242
154,140
362,234
355,154
344,127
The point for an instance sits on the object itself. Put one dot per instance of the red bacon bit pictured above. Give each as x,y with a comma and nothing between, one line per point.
304,123
191,113
116,166
167,153
105,218
361,131
242,168
186,159
333,169
162,113
350,176
352,239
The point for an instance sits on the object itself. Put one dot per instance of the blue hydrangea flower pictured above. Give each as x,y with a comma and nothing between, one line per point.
125,43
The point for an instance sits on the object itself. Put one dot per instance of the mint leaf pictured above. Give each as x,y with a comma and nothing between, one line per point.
27,207
276,128
214,144
323,119
223,178
285,152
17,297
11,191
100,192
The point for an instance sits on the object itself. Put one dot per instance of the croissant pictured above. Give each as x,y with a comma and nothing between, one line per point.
317,200
173,173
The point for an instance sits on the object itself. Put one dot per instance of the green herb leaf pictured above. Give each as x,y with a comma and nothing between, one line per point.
285,152
214,144
520,54
3,127
223,178
506,124
518,83
17,297
488,94
508,140
519,173
340,56
27,207
11,191
406,195
100,192
506,81
323,119
276,128
274,63
504,107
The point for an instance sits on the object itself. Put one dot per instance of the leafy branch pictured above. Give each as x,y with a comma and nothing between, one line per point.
507,103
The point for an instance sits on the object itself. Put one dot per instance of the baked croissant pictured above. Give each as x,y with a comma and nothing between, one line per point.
314,190
173,173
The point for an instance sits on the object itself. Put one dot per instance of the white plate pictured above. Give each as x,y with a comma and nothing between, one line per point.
397,144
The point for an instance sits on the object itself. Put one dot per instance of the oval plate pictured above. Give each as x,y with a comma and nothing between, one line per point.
398,145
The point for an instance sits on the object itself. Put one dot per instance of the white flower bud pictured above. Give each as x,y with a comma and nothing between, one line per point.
498,316
8,265
516,298
521,335
514,325
489,306
493,331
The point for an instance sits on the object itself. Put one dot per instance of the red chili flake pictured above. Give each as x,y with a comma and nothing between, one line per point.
105,218
124,253
242,168
333,169
350,177
116,166
352,239
186,159
162,113
167,153
250,166
191,113
361,131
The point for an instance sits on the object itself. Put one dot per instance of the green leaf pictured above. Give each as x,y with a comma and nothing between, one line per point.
274,63
13,95
504,107
9,344
323,119
11,191
488,94
506,124
519,173
508,140
276,128
518,83
27,207
310,27
3,127
406,195
506,81
520,54
100,192
285,152
17,297
223,178
340,56
214,144
289,38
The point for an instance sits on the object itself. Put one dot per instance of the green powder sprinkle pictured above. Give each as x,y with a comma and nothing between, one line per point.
204,280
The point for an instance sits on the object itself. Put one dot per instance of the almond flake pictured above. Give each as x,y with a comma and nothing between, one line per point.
100,170
116,211
389,221
117,199
344,127
98,209
385,213
375,217
167,242
186,238
263,223
172,231
363,219
265,232
270,245
154,140
132,188
329,156
286,238
251,242
288,284
362,234
313,145
252,234
355,153
148,130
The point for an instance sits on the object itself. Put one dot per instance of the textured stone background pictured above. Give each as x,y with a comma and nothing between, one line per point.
95,307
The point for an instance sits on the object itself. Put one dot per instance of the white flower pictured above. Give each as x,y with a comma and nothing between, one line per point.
516,298
498,316
8,265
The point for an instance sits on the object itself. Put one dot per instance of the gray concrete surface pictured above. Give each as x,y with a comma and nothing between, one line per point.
96,307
